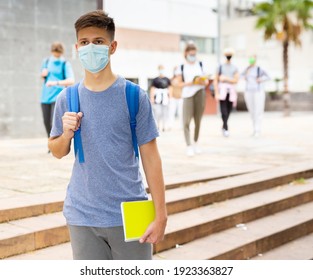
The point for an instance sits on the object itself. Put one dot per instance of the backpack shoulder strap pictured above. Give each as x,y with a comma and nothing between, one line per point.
201,65
132,98
182,72
258,72
72,98
46,66
64,69
220,70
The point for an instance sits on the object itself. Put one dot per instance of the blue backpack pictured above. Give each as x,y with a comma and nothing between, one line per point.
132,98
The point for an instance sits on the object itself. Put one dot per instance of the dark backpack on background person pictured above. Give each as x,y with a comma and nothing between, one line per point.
132,97
182,69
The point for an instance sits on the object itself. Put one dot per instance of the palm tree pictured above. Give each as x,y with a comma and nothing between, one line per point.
285,20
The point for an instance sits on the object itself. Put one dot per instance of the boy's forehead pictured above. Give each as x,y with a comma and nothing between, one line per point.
92,32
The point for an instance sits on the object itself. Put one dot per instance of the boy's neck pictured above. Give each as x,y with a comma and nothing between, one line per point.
99,81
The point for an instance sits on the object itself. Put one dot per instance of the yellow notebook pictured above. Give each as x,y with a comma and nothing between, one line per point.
137,215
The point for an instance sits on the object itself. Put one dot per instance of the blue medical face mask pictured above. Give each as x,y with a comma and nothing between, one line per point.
94,58
191,57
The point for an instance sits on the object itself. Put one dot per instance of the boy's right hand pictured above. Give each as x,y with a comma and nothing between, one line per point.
71,122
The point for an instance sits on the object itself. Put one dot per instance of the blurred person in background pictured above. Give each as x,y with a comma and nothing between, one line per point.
226,78
254,95
176,102
191,78
160,95
56,73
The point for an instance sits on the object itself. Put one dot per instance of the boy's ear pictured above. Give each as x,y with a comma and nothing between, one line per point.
113,47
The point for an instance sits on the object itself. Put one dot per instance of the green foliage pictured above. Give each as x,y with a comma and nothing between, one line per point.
284,18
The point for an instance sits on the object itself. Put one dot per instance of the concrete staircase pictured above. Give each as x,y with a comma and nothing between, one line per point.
251,213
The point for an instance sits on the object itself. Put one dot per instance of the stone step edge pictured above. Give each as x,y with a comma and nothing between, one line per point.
210,226
261,244
181,236
296,247
35,209
27,206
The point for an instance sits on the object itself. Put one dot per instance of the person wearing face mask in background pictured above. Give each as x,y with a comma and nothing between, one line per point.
254,95
226,78
160,96
56,73
190,76
110,173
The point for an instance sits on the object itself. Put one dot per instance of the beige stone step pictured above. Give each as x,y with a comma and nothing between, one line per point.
202,194
30,234
299,249
178,180
31,205
57,252
189,225
195,195
248,240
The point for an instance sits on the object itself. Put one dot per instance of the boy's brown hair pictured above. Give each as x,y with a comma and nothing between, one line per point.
97,18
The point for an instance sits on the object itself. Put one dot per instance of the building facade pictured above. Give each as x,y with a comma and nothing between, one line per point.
149,33
238,31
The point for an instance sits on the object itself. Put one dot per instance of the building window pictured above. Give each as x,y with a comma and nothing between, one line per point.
204,45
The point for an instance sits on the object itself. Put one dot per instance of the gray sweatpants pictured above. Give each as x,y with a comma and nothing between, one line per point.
193,107
92,243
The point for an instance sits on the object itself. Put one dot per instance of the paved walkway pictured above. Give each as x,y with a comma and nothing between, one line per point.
27,168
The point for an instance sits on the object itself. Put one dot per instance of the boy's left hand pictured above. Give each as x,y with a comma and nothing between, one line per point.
154,233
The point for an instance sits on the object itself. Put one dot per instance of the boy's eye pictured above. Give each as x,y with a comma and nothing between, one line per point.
84,43
98,42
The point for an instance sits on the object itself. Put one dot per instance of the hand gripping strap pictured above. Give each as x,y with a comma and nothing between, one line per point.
132,97
73,106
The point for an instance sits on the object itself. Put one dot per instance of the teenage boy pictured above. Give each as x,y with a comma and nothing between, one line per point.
110,173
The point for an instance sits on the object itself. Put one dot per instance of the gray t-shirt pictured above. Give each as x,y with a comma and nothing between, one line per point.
251,74
229,70
110,173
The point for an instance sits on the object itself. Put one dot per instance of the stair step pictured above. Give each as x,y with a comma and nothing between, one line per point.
33,233
186,226
45,203
38,232
31,205
249,240
299,249
57,252
195,195
178,180
201,194
235,239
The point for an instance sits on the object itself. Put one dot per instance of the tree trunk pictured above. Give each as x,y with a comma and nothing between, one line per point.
286,95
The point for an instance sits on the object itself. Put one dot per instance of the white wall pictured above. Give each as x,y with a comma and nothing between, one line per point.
242,36
189,17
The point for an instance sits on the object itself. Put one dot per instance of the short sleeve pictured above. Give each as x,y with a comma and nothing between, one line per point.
169,82
153,84
59,110
69,73
44,64
178,70
146,129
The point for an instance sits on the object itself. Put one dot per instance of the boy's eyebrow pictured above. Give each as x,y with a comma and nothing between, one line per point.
97,38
